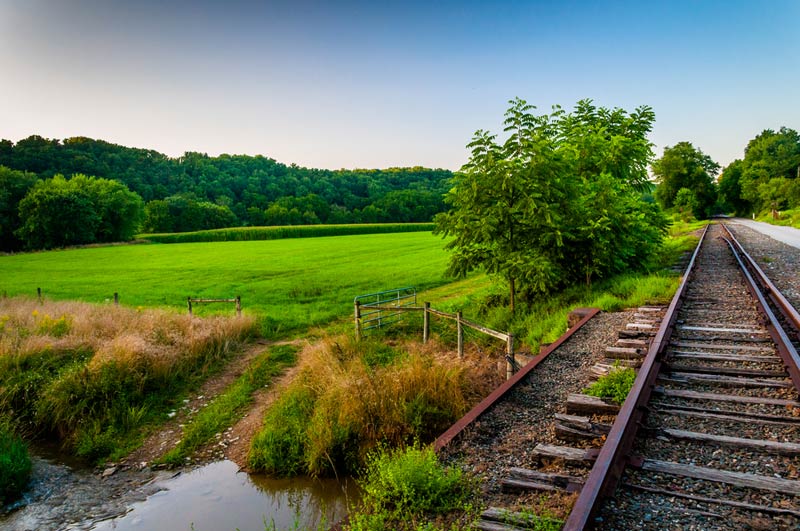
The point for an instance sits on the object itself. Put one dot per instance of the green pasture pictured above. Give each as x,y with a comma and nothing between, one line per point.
290,284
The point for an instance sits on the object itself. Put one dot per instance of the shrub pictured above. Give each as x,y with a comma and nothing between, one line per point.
15,463
401,486
615,385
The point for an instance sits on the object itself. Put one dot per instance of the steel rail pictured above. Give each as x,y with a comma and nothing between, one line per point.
611,461
608,468
789,312
786,350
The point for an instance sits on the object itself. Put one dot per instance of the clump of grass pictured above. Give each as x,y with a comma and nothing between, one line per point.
15,463
352,396
615,385
96,374
403,486
225,408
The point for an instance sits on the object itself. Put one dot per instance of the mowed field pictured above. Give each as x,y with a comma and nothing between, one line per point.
290,284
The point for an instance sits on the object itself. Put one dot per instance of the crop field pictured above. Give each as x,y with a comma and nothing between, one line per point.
290,284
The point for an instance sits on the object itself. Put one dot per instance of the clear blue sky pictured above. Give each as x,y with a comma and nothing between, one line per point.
378,84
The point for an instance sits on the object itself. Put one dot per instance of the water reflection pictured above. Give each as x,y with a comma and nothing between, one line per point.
218,498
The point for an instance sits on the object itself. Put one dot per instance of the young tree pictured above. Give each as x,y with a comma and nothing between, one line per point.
684,166
558,201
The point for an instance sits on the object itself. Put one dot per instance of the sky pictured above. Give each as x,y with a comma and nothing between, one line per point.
375,84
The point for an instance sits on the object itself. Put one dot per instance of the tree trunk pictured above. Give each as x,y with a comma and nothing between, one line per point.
512,293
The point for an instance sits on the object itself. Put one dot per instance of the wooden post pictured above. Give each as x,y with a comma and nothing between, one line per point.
510,354
426,323
239,305
189,302
460,336
116,299
357,315
39,294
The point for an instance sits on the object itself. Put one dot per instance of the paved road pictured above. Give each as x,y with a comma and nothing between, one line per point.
787,235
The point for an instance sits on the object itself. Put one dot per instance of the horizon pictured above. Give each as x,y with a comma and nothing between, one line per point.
354,85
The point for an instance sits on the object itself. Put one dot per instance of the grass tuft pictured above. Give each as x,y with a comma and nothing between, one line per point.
615,385
15,463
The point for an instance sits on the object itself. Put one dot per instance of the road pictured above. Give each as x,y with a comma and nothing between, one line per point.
787,235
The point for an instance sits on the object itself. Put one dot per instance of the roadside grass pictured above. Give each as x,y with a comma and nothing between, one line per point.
228,406
290,285
282,232
98,377
788,218
352,396
15,463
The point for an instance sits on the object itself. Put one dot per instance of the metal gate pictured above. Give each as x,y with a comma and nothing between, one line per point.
375,310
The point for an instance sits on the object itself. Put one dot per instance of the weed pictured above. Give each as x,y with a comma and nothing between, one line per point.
15,463
615,385
401,487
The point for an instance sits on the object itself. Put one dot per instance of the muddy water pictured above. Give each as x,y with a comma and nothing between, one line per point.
218,497
215,497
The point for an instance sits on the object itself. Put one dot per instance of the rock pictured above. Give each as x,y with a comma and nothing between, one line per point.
109,471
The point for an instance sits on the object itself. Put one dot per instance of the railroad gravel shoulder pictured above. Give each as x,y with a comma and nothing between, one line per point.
778,260
504,436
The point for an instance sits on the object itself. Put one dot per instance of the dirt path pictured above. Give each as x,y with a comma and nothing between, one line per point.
160,442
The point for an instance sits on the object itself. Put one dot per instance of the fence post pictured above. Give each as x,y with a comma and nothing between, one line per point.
39,294
357,314
460,336
510,355
189,302
426,323
239,305
116,299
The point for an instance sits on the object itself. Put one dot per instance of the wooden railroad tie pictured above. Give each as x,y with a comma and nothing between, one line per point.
576,428
524,479
581,404
569,454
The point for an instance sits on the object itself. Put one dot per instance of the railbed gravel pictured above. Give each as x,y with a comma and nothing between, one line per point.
504,436
778,260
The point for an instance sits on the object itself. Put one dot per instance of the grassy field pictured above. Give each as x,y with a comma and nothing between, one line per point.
291,284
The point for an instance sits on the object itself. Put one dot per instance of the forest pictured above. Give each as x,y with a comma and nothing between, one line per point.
196,192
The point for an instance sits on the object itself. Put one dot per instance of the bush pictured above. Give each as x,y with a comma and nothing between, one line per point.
403,485
15,463
615,385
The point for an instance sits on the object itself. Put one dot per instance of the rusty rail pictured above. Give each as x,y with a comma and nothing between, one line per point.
754,275
608,468
496,395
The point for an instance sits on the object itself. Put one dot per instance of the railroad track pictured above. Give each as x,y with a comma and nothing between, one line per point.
710,436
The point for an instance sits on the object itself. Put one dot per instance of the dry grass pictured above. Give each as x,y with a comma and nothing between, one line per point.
93,374
357,395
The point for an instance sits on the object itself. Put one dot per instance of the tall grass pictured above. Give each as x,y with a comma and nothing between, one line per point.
15,463
95,375
351,396
279,233
788,218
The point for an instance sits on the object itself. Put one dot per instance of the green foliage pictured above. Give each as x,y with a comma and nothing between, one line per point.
15,463
227,407
615,385
279,233
196,191
684,167
559,201
14,185
401,486
768,178
58,212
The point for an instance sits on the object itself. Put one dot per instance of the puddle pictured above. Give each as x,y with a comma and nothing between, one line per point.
217,497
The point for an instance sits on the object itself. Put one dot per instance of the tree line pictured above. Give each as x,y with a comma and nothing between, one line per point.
767,179
196,192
